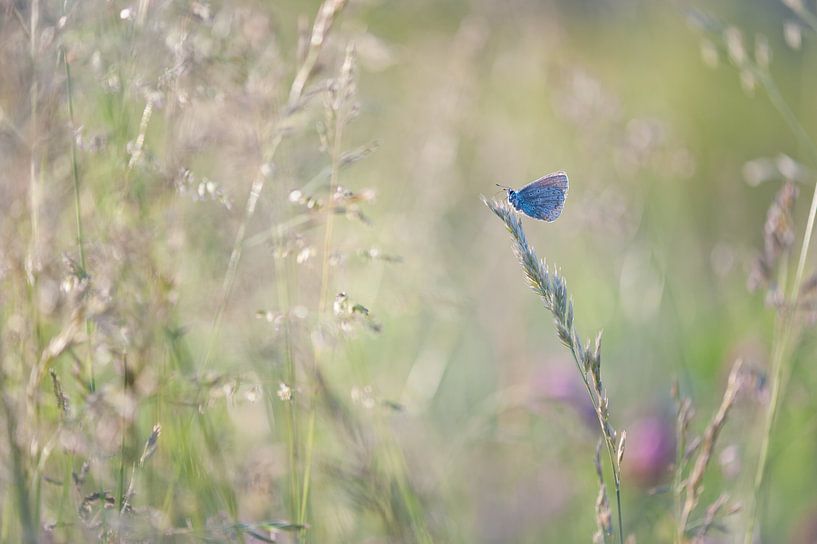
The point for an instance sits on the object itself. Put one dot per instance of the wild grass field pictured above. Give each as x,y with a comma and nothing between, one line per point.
257,283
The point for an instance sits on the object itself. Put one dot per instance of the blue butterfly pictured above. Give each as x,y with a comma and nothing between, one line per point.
542,199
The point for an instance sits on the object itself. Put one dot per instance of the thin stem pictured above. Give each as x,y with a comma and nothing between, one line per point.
398,468
618,501
555,296
20,483
680,465
27,516
782,107
676,482
78,211
238,245
611,447
120,486
282,276
778,358
783,335
292,431
324,297
801,263
74,166
323,23
310,440
292,441
34,174
21,486
771,414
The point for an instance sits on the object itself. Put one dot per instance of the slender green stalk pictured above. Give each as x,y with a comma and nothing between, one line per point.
120,484
781,348
310,443
230,275
617,474
28,510
20,482
780,353
34,173
282,280
78,211
290,405
801,263
552,289
74,165
611,450
786,320
292,448
398,468
21,485
778,358
322,25
330,217
680,463
324,297
609,444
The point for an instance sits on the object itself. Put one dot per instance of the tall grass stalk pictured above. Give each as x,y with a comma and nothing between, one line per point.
781,352
781,349
338,109
688,486
552,289
33,260
322,25
74,164
309,450
21,484
399,469
786,332
34,174
282,271
89,364
120,480
320,30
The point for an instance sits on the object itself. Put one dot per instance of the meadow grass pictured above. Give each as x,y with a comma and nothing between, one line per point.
212,331
771,269
552,289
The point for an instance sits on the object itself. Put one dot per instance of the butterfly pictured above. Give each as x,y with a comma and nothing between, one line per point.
542,199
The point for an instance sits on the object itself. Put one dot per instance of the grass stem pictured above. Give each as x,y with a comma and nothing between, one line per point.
783,334
552,289
89,364
324,297
310,442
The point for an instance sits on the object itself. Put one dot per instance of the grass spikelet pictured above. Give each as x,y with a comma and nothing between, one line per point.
778,237
59,394
604,518
150,444
552,289
689,488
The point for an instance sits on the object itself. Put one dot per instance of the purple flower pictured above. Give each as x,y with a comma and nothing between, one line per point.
650,450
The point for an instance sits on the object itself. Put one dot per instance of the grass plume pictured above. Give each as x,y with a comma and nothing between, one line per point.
688,487
771,268
552,290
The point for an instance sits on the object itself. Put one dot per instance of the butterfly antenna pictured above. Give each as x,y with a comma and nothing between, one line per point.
502,187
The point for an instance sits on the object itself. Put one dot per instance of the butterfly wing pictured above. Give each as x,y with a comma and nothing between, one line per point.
544,198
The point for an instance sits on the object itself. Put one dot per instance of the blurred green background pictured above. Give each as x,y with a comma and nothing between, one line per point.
462,419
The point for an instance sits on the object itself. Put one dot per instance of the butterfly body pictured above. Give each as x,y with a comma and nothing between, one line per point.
542,199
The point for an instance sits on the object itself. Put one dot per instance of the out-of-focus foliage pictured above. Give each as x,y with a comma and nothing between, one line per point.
249,291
